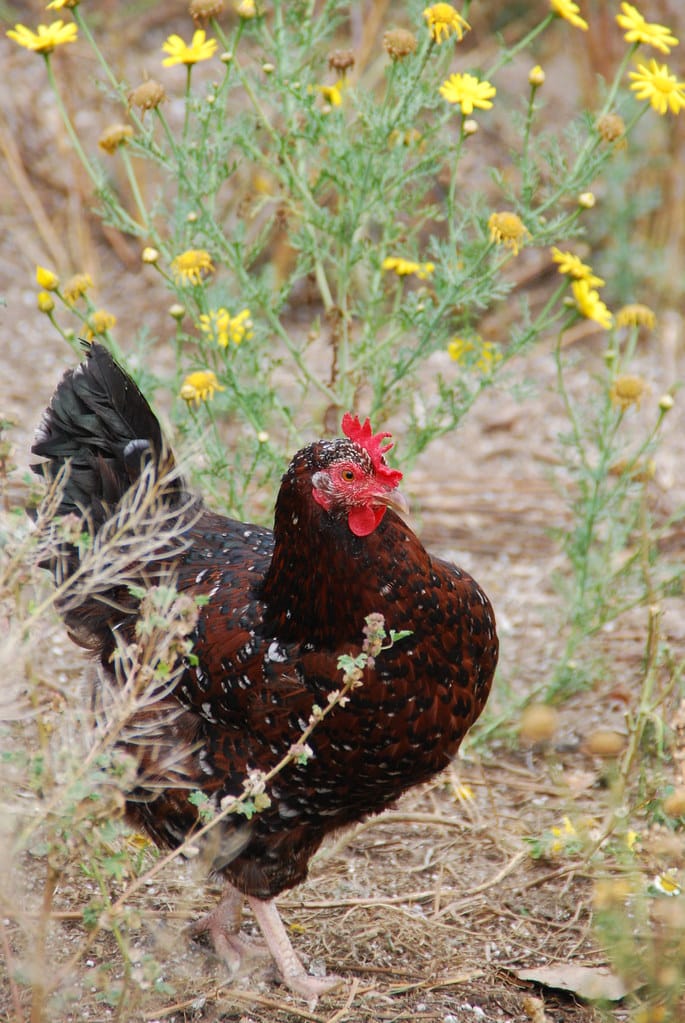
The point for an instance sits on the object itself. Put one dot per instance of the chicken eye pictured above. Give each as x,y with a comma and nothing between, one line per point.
347,475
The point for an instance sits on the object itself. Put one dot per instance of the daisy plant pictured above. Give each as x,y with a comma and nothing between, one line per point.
277,142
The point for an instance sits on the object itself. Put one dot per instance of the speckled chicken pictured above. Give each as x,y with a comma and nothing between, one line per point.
280,608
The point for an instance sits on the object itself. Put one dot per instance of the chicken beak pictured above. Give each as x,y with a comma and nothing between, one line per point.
394,499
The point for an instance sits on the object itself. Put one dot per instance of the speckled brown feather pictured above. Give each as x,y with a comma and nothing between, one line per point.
280,610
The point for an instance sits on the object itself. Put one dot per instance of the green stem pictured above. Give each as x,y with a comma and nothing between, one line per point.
506,56
66,120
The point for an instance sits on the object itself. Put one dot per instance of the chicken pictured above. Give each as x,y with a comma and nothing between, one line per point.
279,610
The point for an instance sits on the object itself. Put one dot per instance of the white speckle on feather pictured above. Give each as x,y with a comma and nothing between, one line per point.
276,652
205,767
207,712
287,811
247,534
214,590
386,590
295,519
200,575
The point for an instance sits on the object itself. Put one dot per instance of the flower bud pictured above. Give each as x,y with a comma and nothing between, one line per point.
536,76
45,302
46,279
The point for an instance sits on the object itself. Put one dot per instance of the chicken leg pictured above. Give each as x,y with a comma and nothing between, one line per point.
236,949
223,926
289,965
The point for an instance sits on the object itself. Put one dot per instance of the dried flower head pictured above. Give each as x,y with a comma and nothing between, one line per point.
46,279
638,30
399,43
149,255
468,91
202,10
570,12
46,38
114,136
443,19
508,229
587,200
636,315
341,61
626,390
190,266
200,386
200,48
590,305
469,126
148,95
76,287
666,402
611,127
655,83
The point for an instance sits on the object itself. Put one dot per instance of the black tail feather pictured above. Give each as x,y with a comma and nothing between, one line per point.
99,422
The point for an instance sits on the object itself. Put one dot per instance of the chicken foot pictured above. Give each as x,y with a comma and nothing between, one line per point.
288,962
222,925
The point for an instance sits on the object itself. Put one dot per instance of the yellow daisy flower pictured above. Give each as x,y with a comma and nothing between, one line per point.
220,325
404,267
574,267
46,38
666,885
332,93
179,52
590,304
508,229
443,19
59,5
200,386
100,322
636,315
570,12
468,91
655,83
563,835
488,354
76,287
638,30
189,266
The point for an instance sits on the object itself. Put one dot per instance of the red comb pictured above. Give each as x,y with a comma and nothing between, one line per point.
375,444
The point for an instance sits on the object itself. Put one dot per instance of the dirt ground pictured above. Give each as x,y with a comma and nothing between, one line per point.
433,911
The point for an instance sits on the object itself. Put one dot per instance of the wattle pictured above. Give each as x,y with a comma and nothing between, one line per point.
363,521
